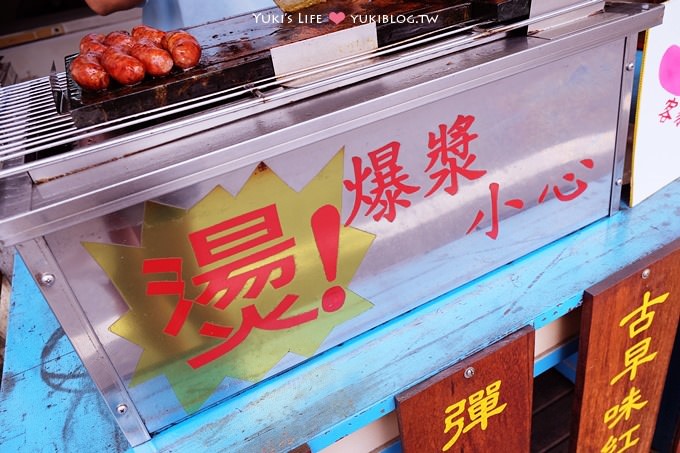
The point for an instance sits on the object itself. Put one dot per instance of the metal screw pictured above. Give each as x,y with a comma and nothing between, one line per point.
630,66
619,182
121,409
645,273
46,279
469,372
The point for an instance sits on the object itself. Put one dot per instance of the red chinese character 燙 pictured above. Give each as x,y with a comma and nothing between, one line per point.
169,288
225,240
389,184
255,254
494,188
581,185
447,146
251,318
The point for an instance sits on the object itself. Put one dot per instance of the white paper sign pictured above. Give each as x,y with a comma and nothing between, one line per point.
303,57
656,145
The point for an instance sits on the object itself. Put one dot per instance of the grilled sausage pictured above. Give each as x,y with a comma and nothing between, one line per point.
87,71
142,32
92,42
122,67
120,39
157,62
184,48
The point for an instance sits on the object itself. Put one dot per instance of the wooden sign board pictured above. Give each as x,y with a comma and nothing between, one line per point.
480,404
628,325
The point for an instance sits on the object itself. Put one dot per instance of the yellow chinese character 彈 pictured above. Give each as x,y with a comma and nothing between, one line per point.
624,410
450,422
644,317
636,355
483,405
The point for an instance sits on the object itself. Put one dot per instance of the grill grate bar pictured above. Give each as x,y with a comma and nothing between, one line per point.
22,87
35,140
29,121
38,102
65,135
44,123
33,113
38,141
74,135
31,99
12,98
24,139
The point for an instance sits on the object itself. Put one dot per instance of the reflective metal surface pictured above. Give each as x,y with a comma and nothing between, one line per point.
544,107
518,144
32,105
177,156
74,321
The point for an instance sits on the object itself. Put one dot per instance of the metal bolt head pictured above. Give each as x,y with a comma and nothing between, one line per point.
469,372
645,273
630,66
46,279
619,182
121,409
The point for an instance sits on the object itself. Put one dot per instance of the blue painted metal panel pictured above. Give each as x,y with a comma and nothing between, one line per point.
47,400
555,357
344,388
393,448
568,367
353,423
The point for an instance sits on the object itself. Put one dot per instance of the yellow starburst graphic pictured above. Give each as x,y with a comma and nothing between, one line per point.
228,287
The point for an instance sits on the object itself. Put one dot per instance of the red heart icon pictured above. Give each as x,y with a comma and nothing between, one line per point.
669,70
336,18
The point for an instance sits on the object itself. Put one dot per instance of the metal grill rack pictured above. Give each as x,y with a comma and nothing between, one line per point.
34,135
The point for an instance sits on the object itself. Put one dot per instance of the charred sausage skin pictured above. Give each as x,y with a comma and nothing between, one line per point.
144,32
157,62
122,67
93,42
184,48
88,72
120,39
128,57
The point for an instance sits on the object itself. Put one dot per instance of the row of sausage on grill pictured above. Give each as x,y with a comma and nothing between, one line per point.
128,58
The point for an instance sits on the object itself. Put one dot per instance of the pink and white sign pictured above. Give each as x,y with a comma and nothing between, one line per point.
656,146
